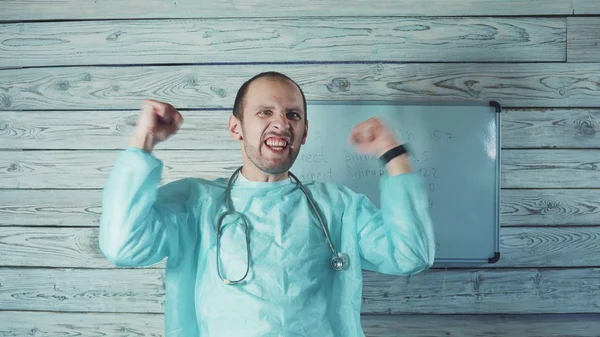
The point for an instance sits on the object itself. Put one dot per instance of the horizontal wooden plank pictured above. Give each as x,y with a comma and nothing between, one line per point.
536,291
549,247
89,169
50,207
584,38
588,7
573,325
550,168
137,290
282,40
78,247
549,128
551,207
66,130
51,324
206,130
521,84
13,10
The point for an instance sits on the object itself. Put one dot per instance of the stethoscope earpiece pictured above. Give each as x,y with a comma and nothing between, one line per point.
339,261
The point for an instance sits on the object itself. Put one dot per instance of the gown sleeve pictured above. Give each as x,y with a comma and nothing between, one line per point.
398,238
140,222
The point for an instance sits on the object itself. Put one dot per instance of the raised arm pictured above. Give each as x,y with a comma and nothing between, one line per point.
140,222
399,237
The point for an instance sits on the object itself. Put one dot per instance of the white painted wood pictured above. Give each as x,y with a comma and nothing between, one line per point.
522,85
65,130
82,290
50,324
82,208
584,38
517,291
572,325
50,207
586,7
550,207
206,130
282,40
550,168
89,169
78,247
114,9
550,128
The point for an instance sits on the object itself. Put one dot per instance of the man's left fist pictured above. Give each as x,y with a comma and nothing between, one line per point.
372,137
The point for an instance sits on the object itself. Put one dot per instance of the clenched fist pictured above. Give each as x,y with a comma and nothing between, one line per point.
372,137
157,121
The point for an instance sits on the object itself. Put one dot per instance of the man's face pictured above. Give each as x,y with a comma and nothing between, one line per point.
274,126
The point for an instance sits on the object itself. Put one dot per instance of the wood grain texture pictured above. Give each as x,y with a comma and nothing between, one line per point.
127,290
472,291
114,9
550,128
522,85
282,40
78,247
584,39
50,207
82,208
550,169
549,247
553,207
586,7
573,325
89,169
205,130
50,324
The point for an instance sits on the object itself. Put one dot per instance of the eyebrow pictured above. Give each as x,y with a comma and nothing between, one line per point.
263,107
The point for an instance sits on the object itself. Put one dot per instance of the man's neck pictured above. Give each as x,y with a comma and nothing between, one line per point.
252,173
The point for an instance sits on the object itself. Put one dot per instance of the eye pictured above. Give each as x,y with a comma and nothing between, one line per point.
294,115
265,112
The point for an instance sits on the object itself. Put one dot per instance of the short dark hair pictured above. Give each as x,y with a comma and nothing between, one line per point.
238,105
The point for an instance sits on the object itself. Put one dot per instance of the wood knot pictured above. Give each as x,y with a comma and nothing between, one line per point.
339,85
586,127
62,86
219,91
115,36
5,101
14,168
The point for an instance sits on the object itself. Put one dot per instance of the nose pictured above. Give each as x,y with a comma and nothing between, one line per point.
280,121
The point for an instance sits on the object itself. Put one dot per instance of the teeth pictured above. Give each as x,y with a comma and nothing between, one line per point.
276,143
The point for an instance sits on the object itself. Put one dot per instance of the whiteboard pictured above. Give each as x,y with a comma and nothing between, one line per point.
455,148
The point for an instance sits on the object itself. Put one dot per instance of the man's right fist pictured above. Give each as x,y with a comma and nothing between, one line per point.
157,121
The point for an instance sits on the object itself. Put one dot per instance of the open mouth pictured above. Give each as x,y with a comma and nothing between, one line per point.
277,144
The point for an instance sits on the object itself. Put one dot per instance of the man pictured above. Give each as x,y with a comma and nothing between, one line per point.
267,270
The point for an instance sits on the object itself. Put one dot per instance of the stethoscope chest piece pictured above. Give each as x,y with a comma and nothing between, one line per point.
340,261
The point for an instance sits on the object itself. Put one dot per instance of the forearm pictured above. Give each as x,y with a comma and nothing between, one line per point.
399,165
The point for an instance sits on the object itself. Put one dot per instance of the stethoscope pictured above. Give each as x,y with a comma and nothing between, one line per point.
339,261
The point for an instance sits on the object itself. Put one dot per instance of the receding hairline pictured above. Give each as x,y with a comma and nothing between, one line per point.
270,75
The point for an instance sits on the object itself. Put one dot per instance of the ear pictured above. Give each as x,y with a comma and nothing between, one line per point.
235,128
305,133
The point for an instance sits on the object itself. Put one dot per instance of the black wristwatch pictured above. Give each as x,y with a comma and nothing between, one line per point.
393,153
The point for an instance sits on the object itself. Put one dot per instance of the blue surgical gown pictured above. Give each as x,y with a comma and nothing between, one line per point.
290,290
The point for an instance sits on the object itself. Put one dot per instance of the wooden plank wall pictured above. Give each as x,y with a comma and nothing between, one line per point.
73,73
